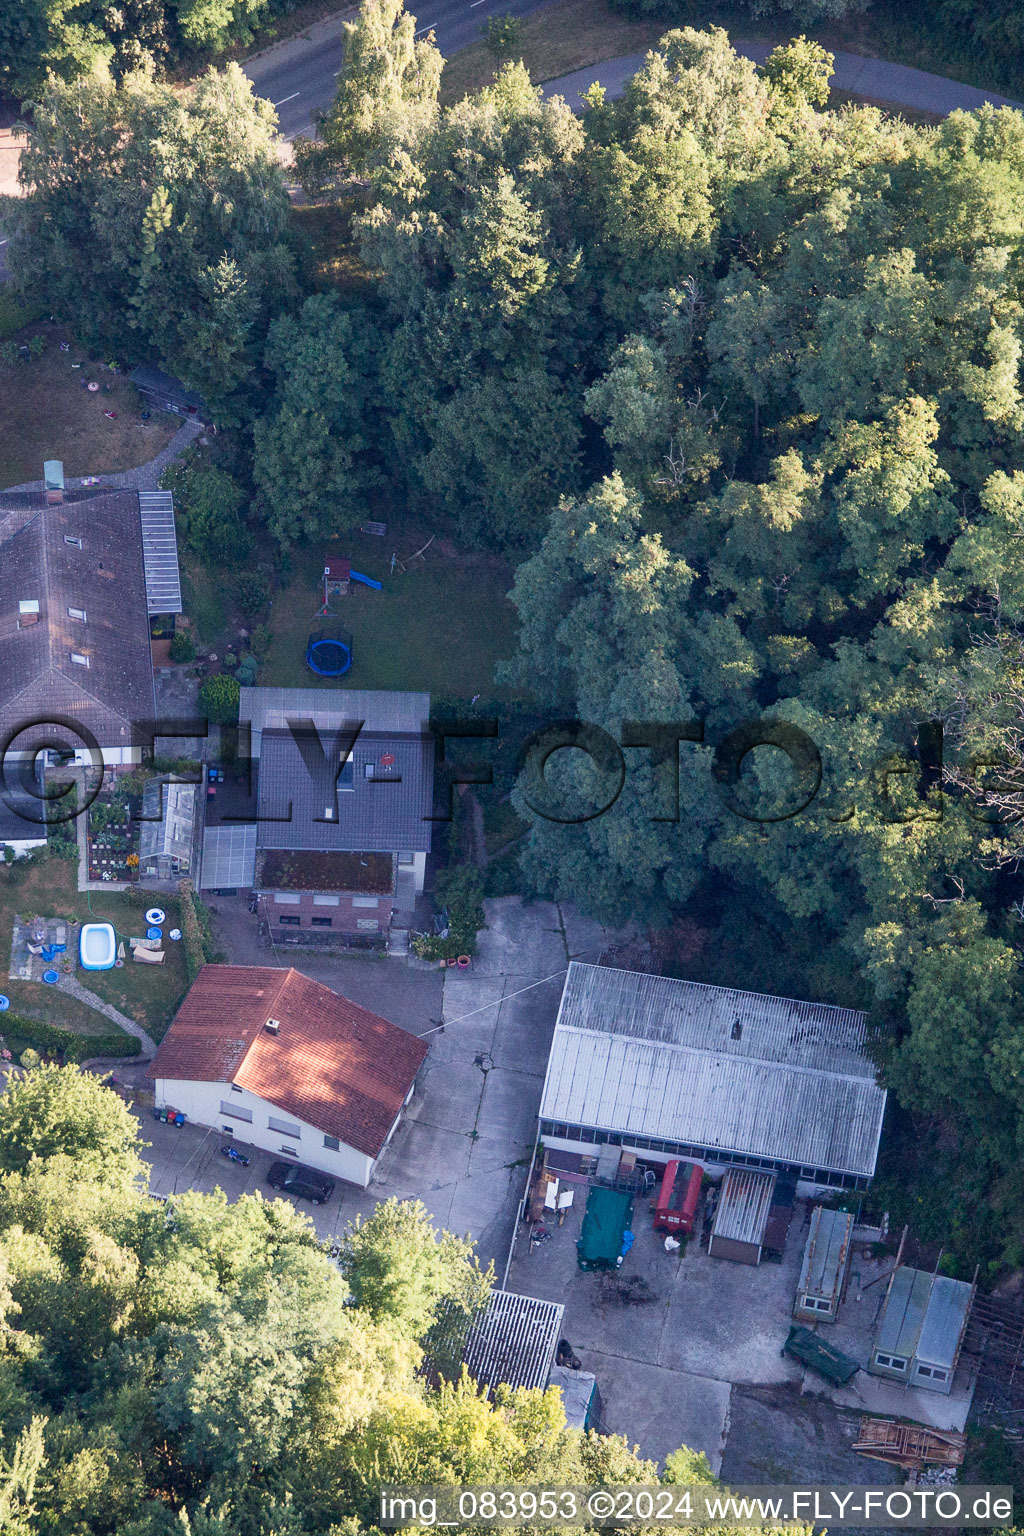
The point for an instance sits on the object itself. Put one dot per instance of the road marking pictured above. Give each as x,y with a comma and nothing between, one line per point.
475,4
425,29
287,98
3,242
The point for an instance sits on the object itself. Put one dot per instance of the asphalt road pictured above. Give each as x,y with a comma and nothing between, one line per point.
300,76
875,79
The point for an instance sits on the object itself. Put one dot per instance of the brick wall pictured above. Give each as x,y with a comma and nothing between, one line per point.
342,914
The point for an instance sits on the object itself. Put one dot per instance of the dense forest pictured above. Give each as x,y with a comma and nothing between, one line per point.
734,381
199,1368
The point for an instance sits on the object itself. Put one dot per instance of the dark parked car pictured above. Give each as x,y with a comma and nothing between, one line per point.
304,1183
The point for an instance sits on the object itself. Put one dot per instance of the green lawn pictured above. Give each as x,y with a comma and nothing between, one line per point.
47,413
441,627
148,994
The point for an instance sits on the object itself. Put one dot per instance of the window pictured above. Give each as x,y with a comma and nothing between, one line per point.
235,1088
289,1151
321,922
407,858
815,1304
226,1130
287,898
369,770
79,660
78,614
346,775
73,540
365,901
326,901
236,1111
332,1143
290,920
891,1362
284,1127
932,1372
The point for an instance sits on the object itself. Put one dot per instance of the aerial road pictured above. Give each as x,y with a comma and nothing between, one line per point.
300,76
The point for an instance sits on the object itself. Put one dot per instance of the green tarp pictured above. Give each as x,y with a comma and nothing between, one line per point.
812,1351
608,1215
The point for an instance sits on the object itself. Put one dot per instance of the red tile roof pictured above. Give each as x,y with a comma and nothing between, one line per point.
335,1065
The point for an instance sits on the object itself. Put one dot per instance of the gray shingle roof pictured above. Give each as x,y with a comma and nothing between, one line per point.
380,814
102,577
387,710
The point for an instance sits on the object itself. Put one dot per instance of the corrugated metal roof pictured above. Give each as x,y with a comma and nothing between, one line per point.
743,1206
712,1067
826,1253
905,1308
514,1342
673,1012
383,710
229,856
160,552
511,1341
945,1320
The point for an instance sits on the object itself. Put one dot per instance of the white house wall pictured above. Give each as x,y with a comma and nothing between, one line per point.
201,1102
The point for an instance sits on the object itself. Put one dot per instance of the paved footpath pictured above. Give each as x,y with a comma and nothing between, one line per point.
73,987
895,84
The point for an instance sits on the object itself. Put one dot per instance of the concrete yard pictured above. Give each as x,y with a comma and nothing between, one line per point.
666,1335
687,1349
467,1140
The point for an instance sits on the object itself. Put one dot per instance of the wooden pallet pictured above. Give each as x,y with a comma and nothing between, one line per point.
911,1446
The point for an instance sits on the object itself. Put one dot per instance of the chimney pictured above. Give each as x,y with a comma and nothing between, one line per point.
273,1026
53,479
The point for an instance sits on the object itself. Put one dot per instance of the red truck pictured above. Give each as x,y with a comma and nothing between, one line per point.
677,1198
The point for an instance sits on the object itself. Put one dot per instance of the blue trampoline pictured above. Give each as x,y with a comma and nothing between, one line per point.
329,652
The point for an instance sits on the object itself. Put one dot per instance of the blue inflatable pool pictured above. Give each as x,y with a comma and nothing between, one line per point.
97,947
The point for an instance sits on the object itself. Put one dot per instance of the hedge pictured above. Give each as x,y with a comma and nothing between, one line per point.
49,1037
191,931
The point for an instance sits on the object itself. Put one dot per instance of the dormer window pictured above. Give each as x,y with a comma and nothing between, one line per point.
28,612
73,540
79,660
78,614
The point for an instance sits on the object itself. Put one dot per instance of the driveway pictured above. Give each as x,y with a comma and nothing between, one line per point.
464,1146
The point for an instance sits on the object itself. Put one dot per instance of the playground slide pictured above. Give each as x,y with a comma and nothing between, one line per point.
367,581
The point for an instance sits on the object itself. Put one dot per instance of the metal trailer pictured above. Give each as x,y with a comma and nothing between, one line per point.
677,1200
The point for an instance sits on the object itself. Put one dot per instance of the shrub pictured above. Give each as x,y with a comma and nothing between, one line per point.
461,890
183,647
192,935
62,840
49,1037
218,699
252,592
504,37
